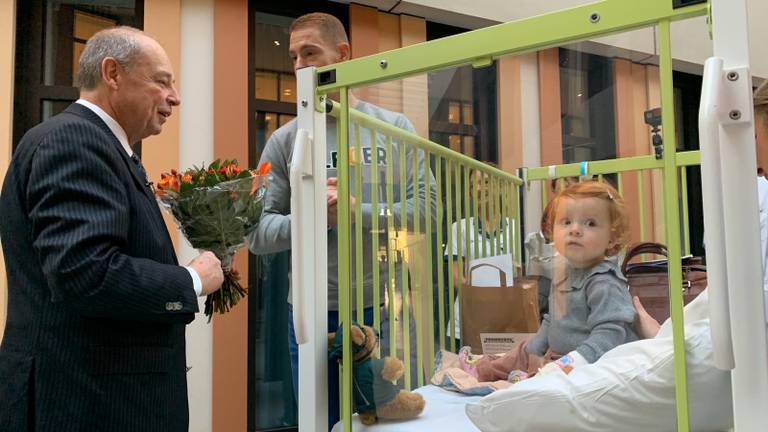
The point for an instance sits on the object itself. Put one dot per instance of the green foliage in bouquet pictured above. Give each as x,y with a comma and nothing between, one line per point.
216,207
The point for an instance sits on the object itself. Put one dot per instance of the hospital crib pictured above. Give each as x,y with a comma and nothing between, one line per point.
422,188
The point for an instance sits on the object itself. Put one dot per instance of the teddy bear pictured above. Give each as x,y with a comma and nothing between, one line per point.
376,394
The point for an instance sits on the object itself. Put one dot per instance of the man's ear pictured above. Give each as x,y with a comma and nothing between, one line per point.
109,72
345,52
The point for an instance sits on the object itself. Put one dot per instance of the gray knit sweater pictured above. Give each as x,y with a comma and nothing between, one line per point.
598,314
274,231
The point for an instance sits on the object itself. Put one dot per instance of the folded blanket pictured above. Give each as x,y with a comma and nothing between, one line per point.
492,372
450,376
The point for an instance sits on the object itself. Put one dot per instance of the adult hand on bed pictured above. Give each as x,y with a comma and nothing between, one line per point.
645,325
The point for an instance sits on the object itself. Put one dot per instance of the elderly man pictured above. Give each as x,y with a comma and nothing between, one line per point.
97,300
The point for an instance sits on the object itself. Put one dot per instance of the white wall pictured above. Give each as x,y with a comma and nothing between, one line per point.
195,146
690,39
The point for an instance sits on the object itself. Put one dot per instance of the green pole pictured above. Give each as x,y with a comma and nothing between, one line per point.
343,221
672,224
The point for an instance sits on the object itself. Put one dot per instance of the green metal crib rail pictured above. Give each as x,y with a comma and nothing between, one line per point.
453,174
415,244
643,167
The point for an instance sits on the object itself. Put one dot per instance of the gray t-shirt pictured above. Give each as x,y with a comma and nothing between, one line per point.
274,231
598,313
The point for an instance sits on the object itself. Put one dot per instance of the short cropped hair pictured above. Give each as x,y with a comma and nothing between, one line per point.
330,27
593,189
121,43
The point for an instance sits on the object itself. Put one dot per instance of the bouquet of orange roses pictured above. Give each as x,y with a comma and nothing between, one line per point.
216,207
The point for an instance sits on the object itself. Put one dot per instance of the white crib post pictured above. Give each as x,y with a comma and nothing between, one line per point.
309,260
729,104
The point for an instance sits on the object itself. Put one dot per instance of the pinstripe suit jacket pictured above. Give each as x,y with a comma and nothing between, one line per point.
89,344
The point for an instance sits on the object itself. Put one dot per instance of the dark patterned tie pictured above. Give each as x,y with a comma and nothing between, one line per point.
142,171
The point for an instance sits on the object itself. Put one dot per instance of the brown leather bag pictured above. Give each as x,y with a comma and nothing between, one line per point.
648,279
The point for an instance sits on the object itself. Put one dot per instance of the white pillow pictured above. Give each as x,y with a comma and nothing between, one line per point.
631,388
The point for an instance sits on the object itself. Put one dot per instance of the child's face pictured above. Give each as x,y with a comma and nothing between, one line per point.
582,230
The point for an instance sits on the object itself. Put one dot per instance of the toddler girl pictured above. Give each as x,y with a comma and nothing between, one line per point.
590,309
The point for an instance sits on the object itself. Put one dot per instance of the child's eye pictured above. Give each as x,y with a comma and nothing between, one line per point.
591,223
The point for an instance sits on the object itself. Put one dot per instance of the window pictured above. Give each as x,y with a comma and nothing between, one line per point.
50,37
272,103
462,105
587,111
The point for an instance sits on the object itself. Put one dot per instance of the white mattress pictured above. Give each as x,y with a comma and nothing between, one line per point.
443,412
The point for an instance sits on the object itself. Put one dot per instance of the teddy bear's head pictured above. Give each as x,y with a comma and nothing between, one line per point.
364,341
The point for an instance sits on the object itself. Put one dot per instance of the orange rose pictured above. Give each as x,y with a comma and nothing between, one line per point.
230,171
186,178
265,168
168,182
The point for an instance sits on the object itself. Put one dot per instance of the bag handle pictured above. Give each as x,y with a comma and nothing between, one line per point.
642,248
502,273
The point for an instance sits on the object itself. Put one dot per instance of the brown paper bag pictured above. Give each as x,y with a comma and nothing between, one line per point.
502,309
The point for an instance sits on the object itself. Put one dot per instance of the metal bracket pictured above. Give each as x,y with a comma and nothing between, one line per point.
326,77
736,96
522,172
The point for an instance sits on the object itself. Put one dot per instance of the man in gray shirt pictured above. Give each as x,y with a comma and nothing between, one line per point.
319,39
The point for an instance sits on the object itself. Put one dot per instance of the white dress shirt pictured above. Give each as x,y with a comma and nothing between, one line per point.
121,136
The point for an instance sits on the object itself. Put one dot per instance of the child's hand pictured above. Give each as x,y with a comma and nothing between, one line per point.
535,362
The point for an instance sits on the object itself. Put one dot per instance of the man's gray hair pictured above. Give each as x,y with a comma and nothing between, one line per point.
121,43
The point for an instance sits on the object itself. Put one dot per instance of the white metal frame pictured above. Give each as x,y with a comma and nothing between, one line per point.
728,163
309,254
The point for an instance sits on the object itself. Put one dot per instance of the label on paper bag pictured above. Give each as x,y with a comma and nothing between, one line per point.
501,343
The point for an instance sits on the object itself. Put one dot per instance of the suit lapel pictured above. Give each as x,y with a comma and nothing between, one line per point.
91,116
141,182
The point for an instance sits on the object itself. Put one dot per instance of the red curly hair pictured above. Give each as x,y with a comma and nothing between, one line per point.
593,189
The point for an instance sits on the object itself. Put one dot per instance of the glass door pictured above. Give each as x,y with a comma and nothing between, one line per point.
271,399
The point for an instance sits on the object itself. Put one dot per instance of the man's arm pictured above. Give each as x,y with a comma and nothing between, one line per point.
452,253
273,234
80,226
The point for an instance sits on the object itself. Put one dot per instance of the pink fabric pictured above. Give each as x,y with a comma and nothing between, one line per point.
494,367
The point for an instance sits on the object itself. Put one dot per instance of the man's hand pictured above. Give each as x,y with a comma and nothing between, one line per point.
208,267
332,198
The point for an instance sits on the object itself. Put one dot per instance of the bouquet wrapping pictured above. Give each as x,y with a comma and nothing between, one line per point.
216,207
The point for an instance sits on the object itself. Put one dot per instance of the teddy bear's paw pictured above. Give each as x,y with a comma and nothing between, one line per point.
368,418
406,405
393,369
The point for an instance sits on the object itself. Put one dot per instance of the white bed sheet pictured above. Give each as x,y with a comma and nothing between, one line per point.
443,412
